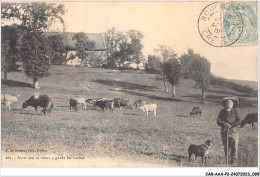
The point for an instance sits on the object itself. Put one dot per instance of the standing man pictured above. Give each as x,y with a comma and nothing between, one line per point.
228,120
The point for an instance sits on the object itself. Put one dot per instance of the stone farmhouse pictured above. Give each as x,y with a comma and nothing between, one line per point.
96,57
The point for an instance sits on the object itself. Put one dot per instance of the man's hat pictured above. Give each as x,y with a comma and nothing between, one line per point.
233,98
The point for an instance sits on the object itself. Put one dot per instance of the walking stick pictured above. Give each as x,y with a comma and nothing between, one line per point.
227,147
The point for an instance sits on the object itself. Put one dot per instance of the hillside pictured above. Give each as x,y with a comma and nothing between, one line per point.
250,84
125,137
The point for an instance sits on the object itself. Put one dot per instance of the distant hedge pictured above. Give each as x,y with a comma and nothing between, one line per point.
223,82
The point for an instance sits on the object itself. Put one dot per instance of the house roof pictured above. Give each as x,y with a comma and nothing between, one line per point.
70,44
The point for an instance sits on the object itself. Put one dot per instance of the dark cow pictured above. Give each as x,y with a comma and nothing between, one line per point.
42,101
250,119
118,103
94,100
73,104
124,103
196,111
109,104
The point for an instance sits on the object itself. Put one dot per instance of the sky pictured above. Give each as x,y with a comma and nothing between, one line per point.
174,24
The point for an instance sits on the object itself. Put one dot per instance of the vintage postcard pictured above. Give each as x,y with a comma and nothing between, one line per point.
129,84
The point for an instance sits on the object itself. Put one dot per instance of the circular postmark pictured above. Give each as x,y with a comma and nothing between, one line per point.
220,25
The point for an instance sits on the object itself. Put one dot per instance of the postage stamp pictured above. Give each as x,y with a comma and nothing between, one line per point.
245,11
223,24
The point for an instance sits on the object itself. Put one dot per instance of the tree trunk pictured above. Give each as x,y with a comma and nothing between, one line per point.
164,83
66,56
36,83
5,76
82,62
173,90
203,95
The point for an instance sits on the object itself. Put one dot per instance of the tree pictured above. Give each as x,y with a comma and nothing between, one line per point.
9,57
154,64
135,47
165,53
123,47
186,62
36,17
83,46
122,54
113,40
201,73
34,50
57,49
172,70
97,59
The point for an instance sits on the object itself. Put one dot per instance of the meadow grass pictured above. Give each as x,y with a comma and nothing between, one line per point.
125,133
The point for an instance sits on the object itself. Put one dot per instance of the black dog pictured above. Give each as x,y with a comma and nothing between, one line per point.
200,150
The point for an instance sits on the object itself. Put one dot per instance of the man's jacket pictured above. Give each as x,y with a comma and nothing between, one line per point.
231,117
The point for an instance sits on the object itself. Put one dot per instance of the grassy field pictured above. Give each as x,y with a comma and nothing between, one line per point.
125,136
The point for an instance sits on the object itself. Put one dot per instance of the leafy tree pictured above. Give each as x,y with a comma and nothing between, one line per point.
154,64
122,55
9,55
135,47
34,50
57,49
186,62
113,40
83,46
123,47
201,73
165,53
97,59
36,17
172,70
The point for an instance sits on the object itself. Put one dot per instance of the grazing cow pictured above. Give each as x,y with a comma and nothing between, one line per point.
8,100
197,111
109,104
42,101
94,100
73,104
118,103
200,150
250,119
138,103
149,107
124,103
81,101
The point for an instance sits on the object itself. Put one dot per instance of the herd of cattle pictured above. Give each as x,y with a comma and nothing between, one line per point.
111,104
46,104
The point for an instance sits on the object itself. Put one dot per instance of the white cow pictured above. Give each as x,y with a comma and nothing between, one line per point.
8,100
149,107
81,101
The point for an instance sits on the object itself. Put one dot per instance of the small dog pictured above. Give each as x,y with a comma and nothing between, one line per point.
200,150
